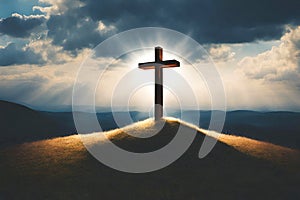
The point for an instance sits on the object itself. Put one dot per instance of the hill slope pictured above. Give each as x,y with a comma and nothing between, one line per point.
20,123
61,168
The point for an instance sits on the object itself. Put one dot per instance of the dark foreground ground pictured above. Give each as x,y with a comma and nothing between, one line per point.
61,168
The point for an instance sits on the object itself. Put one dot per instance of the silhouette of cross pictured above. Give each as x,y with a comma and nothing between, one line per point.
158,65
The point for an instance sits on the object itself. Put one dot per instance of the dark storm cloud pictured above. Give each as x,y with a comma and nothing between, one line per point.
214,21
20,25
208,21
13,55
73,32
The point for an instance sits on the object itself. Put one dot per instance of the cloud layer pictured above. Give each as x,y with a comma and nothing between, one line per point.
281,63
75,25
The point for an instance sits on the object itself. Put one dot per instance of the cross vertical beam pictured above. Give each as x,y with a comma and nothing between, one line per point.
158,66
158,114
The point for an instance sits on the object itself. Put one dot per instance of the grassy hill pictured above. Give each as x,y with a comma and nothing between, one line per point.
61,168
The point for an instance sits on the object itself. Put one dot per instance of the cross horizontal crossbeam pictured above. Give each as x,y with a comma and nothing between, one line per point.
162,64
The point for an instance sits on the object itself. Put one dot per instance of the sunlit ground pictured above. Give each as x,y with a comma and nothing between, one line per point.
147,128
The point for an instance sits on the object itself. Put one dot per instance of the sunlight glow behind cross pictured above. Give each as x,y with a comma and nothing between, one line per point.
124,74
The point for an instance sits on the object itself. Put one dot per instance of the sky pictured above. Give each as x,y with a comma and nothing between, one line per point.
255,46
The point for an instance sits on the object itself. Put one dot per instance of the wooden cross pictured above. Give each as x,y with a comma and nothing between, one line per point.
158,65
